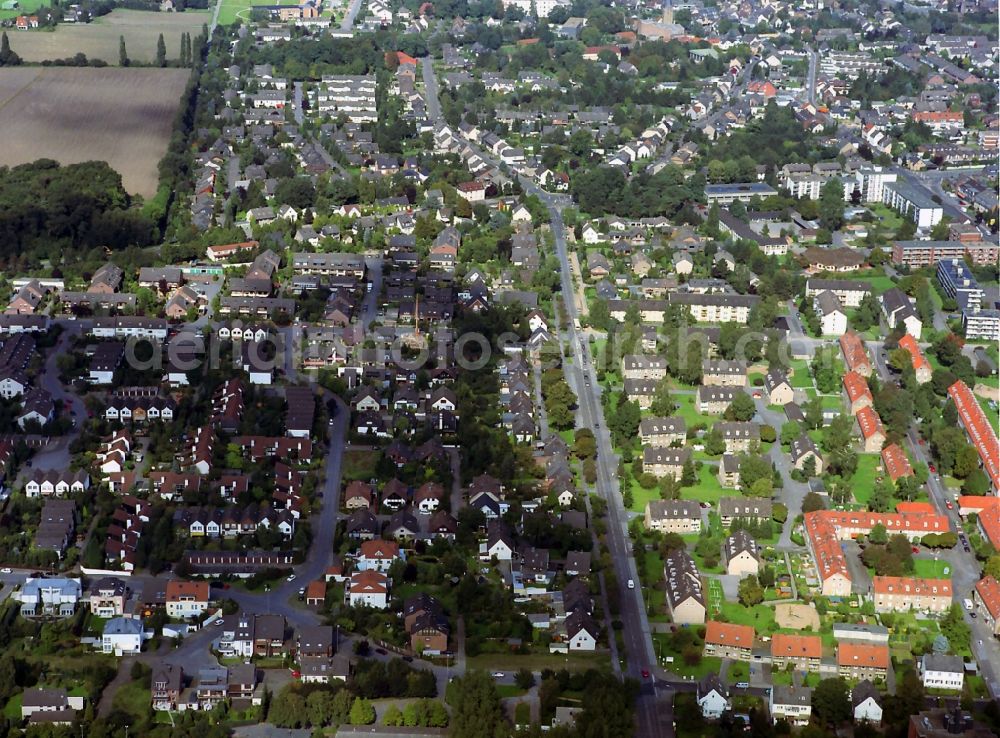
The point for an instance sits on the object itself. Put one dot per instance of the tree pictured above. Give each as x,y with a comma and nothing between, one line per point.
953,625
742,408
992,567
161,52
715,444
524,678
662,405
830,701
750,592
585,444
812,502
122,54
476,708
831,205
362,712
878,534
288,709
393,716
7,56
790,430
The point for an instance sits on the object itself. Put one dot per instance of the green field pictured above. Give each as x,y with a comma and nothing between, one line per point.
24,7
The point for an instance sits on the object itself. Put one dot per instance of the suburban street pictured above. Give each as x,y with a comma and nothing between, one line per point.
582,378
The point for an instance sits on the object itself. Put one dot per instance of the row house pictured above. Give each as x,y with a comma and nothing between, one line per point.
140,409
232,522
53,483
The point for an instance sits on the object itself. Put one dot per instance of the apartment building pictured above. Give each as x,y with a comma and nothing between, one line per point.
898,594
348,95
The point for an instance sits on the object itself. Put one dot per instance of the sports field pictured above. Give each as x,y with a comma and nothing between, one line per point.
233,9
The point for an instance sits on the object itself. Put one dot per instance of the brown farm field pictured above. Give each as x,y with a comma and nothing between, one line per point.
99,39
121,116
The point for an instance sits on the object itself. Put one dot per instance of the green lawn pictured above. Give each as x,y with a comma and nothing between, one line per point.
132,698
863,481
708,488
538,661
509,690
12,710
931,569
687,410
800,376
992,414
759,616
641,496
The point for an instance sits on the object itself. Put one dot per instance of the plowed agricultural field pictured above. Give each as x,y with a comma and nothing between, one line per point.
99,38
121,116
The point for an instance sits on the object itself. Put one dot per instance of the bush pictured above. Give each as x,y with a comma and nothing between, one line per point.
767,434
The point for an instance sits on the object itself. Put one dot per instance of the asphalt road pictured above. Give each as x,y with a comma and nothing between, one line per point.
352,14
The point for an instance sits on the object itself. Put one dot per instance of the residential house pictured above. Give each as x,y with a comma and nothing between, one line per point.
862,660
665,462
107,597
986,596
872,432
942,671
673,516
899,594
122,636
712,697
662,432
369,589
866,703
744,508
728,640
778,388
685,593
166,685
740,554
791,704
804,452
723,373
712,400
803,652
187,599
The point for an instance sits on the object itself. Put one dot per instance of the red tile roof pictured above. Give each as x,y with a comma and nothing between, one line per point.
917,359
989,592
915,507
796,646
976,503
728,634
912,586
826,528
978,429
856,387
826,549
378,549
989,521
869,422
863,655
854,352
895,462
